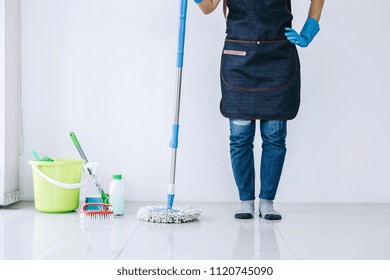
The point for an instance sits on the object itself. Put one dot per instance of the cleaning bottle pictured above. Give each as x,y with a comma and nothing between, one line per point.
117,194
93,194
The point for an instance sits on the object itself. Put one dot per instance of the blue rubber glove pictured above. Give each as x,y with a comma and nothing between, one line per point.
309,31
198,1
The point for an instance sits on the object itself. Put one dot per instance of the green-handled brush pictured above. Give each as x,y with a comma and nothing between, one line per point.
81,152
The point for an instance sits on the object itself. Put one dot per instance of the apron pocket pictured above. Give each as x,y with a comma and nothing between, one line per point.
234,52
258,65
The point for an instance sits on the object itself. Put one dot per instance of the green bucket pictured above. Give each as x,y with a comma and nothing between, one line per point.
57,184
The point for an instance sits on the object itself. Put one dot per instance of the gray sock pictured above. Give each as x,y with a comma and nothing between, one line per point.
246,211
267,211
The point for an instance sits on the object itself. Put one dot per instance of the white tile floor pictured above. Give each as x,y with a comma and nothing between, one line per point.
307,231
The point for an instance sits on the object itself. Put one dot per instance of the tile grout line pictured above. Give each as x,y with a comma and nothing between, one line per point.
127,242
285,241
378,209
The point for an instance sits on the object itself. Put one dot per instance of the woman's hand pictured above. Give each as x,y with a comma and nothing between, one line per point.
309,31
311,27
207,6
295,38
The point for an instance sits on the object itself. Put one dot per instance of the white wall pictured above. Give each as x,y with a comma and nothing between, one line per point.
106,70
2,92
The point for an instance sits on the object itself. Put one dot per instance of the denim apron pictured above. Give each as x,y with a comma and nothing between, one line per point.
260,69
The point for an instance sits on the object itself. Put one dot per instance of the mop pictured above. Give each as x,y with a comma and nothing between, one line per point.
168,214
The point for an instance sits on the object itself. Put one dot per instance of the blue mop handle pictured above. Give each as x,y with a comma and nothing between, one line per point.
180,57
175,137
182,33
175,127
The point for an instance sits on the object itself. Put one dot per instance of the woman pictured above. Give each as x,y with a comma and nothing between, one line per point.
260,80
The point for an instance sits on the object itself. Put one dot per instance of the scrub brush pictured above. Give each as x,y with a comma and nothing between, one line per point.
105,213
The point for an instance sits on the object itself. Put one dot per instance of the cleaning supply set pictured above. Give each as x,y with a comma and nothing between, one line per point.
57,184
168,214
99,208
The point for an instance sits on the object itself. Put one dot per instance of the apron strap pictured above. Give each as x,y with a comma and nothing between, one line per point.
225,12
224,8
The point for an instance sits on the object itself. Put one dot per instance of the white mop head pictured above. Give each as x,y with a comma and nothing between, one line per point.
160,214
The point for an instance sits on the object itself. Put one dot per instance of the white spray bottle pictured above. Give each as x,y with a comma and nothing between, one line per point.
117,194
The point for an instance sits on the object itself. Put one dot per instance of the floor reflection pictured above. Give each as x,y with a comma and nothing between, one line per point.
58,236
252,234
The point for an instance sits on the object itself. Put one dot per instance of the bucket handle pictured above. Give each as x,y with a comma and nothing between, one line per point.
60,184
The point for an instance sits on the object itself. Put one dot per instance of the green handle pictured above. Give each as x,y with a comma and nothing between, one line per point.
35,155
74,139
77,144
45,158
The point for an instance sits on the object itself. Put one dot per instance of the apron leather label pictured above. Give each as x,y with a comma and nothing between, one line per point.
233,52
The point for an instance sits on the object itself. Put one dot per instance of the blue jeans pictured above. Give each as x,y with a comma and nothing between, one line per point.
242,134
